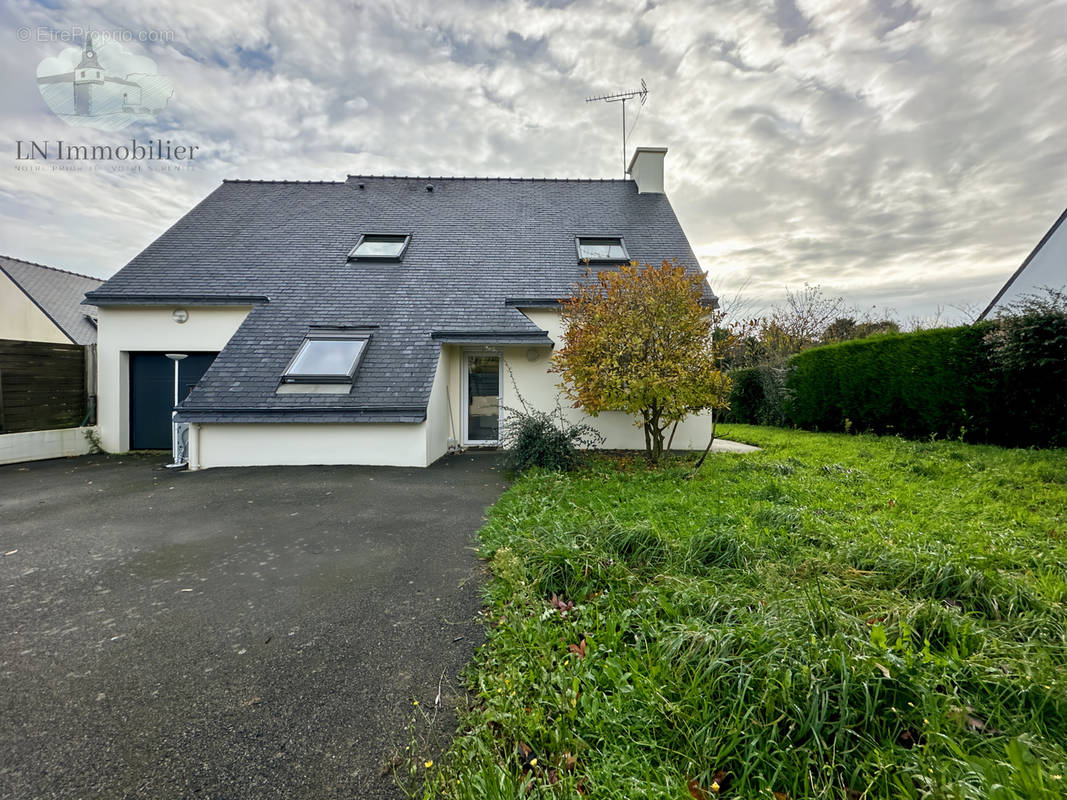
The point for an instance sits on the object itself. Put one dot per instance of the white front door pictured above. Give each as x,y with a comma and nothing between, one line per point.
481,390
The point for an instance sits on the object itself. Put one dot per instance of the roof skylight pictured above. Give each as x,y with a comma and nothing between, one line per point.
326,359
380,247
602,248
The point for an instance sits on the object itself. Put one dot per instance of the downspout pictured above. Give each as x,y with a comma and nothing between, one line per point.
194,446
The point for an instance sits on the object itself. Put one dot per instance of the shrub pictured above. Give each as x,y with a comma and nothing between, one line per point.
756,396
534,438
1029,354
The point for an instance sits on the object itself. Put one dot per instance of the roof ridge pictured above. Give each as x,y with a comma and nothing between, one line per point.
274,180
54,269
490,178
429,178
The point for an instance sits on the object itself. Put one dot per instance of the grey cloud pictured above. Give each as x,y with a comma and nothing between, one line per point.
794,25
894,13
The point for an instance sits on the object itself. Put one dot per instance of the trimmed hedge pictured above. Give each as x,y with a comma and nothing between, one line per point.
1002,382
937,382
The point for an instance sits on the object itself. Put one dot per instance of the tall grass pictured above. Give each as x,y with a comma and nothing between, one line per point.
831,617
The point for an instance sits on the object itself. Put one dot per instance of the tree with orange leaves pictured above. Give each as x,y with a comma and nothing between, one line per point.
639,340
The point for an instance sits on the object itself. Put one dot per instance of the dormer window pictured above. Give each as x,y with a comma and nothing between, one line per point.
380,247
327,358
611,249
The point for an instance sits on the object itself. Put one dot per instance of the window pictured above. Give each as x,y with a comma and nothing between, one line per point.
380,247
326,359
603,248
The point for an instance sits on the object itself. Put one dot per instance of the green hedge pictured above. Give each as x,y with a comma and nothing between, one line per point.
1003,382
936,382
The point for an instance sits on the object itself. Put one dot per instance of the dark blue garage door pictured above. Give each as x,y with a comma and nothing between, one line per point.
152,394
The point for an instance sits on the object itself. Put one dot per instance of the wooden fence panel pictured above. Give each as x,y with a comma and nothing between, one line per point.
42,386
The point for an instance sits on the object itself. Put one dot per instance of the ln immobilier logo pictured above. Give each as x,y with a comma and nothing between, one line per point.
102,85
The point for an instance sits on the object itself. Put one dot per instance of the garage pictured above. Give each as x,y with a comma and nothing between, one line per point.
152,394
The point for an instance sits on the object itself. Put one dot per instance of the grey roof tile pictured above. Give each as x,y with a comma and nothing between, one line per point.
58,294
475,243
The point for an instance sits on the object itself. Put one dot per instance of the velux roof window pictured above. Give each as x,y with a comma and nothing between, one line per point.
602,248
380,247
327,358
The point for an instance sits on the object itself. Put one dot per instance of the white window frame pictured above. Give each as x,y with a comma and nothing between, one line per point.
465,394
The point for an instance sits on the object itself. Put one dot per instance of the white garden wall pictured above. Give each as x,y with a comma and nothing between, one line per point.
39,445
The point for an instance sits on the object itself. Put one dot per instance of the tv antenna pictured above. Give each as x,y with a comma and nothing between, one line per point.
622,97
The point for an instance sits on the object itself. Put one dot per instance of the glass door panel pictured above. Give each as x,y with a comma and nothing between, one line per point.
483,398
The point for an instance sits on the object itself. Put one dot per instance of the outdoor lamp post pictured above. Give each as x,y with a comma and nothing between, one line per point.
178,455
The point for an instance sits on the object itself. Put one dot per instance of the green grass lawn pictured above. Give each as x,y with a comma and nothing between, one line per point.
832,617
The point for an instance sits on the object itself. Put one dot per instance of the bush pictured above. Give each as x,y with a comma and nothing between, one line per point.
936,382
756,396
1029,355
534,438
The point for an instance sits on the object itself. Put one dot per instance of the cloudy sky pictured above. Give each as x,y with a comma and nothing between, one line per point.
903,153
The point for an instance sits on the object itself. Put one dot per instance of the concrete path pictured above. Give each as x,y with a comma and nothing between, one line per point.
726,446
244,633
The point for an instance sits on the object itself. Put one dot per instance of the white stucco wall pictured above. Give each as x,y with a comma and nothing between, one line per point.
441,422
292,444
22,320
122,331
540,389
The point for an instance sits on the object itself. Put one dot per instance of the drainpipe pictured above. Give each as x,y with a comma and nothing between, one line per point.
194,446
179,459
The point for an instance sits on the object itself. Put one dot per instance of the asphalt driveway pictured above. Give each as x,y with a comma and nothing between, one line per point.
233,633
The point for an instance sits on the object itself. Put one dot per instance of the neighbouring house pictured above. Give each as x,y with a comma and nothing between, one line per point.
47,338
42,304
376,320
1045,267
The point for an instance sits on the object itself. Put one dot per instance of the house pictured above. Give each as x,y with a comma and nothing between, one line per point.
376,320
46,361
42,304
1046,266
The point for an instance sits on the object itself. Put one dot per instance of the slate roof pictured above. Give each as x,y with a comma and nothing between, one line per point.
476,243
57,293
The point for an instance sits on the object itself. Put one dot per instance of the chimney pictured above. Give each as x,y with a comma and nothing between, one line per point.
646,169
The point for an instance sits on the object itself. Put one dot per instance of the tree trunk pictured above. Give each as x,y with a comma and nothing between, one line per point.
670,441
657,436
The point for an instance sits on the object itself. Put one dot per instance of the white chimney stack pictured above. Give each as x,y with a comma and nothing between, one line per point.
646,169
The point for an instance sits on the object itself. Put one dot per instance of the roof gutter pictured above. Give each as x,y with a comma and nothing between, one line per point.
406,414
532,302
493,337
105,299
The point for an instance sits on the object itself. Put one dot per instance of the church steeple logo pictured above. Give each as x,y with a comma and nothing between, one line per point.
102,85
